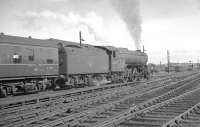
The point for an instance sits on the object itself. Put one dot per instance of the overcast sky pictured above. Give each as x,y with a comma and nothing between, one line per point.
172,25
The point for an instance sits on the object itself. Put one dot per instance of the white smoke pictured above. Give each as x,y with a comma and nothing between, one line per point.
129,11
95,28
47,21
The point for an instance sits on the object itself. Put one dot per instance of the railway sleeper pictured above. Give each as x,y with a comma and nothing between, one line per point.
164,103
133,124
190,115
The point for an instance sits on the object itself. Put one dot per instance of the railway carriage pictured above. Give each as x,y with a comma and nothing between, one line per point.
27,61
24,64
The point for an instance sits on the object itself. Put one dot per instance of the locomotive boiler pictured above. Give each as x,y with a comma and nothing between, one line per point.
134,57
135,63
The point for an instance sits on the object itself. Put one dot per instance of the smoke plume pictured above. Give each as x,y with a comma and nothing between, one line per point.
129,12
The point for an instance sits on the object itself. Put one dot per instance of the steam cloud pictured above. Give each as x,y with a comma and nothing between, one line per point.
50,21
129,12
94,27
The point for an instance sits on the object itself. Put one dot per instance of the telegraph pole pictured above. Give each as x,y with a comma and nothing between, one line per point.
160,66
168,61
80,38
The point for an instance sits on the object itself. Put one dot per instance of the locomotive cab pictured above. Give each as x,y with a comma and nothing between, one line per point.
116,63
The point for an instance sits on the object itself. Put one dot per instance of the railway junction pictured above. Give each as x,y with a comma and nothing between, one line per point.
167,101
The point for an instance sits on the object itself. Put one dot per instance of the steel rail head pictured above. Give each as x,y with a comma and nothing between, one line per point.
129,114
177,120
38,99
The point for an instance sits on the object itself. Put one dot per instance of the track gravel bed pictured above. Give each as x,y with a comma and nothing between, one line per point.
173,109
97,112
30,116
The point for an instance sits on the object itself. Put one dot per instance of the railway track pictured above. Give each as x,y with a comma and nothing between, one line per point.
180,111
16,105
189,118
67,110
90,113
54,107
56,96
28,115
138,102
15,119
173,109
19,101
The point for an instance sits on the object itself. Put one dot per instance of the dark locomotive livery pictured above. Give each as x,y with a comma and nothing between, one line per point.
81,64
30,65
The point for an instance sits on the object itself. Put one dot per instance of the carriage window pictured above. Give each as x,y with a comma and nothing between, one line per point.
31,58
49,61
114,54
17,58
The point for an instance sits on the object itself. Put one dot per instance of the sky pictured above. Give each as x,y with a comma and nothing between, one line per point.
159,25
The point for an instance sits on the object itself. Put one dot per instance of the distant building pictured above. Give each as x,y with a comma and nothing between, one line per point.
174,67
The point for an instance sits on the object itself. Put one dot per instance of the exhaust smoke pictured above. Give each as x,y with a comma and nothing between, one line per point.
129,11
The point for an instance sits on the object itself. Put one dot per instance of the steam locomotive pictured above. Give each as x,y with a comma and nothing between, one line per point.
30,65
86,64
